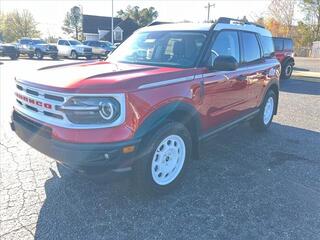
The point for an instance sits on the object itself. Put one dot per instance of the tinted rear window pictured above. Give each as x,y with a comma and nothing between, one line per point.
288,44
278,44
251,47
267,45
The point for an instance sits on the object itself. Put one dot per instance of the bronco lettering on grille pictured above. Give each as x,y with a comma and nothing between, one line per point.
33,102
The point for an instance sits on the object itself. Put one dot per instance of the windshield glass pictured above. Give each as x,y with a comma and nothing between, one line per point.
175,49
74,42
38,41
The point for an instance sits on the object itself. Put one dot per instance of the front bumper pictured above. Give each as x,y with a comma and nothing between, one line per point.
79,156
50,52
84,54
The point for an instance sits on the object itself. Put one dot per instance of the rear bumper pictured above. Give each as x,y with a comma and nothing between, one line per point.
78,156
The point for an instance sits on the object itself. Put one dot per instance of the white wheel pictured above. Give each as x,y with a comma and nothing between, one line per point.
168,160
268,111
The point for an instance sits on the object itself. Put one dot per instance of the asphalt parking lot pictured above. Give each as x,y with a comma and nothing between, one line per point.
246,185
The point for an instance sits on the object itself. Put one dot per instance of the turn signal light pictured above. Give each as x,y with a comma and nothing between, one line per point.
128,149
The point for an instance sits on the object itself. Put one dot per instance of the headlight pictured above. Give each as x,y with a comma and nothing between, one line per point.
92,110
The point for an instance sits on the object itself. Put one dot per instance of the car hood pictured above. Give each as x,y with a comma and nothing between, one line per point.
82,46
100,76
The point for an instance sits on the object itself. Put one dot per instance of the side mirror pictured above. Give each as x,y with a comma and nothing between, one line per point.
225,63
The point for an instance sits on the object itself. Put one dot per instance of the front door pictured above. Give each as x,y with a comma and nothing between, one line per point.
225,92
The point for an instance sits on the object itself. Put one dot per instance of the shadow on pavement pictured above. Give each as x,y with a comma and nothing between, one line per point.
300,87
243,187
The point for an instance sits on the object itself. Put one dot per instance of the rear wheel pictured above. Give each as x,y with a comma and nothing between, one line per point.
169,152
30,55
263,120
287,70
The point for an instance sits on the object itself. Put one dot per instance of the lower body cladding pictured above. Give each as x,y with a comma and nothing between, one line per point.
87,157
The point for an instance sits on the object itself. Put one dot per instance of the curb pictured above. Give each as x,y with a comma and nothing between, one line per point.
306,76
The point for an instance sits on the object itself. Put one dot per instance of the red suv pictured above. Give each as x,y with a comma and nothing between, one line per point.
284,53
153,101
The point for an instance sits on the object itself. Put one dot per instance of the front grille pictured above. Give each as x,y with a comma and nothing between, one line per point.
87,50
53,48
38,104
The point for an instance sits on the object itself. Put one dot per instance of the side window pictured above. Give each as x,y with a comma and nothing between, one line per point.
226,44
251,48
278,44
288,44
61,42
267,45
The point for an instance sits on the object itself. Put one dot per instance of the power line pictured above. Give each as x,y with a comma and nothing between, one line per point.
208,7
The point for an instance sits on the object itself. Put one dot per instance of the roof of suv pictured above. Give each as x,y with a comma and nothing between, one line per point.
178,27
222,23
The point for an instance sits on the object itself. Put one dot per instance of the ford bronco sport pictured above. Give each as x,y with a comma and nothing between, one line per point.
149,105
284,53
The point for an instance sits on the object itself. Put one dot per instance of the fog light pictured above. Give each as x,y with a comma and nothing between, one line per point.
106,155
128,149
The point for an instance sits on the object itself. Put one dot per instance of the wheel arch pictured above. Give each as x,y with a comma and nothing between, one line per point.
287,60
181,112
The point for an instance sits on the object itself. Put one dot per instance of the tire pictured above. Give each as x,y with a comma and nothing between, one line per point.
30,55
39,55
74,54
159,173
287,70
14,57
88,57
54,56
264,118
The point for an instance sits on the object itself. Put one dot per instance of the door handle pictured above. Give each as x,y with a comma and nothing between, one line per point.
241,78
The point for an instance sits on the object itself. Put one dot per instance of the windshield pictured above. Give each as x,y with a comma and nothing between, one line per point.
176,49
74,42
38,41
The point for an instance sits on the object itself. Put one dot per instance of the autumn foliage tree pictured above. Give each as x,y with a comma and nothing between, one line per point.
18,24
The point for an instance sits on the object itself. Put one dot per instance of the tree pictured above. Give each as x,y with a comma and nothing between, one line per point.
73,22
311,8
15,25
282,11
142,17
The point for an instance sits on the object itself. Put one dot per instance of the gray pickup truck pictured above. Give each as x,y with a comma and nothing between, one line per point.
37,47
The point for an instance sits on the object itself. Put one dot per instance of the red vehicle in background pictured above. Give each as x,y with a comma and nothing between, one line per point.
284,53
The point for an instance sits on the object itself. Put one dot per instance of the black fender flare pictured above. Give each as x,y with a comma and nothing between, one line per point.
288,59
170,111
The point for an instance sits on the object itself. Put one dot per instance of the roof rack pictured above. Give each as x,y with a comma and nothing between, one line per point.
230,20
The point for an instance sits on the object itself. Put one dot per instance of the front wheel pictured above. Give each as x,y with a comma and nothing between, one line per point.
30,55
162,168
264,118
54,56
39,54
74,55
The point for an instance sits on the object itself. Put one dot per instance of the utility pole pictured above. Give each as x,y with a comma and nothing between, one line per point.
209,6
112,22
